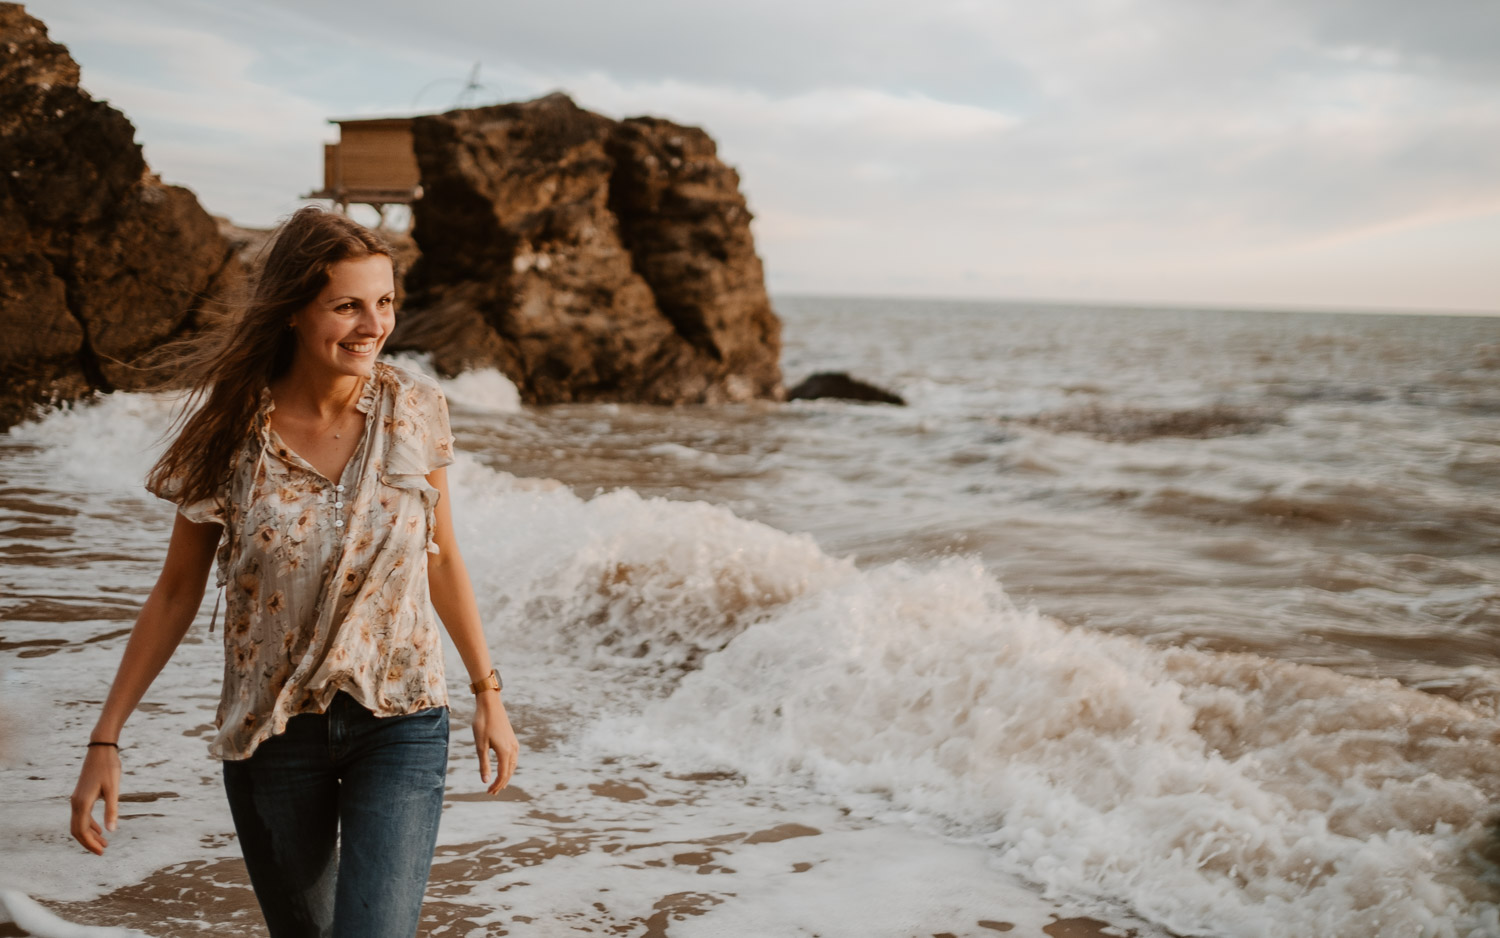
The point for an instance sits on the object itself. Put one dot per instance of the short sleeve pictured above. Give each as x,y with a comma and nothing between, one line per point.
423,440
202,511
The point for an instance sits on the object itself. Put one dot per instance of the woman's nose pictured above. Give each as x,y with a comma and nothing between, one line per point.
370,321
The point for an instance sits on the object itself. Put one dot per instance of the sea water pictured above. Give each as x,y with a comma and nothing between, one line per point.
1184,618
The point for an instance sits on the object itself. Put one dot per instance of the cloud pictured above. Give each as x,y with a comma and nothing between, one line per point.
1450,37
866,113
1102,148
204,120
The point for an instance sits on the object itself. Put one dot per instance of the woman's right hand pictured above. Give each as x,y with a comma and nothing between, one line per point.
99,778
165,617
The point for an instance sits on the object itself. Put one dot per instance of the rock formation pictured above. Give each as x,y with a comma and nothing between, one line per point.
99,261
588,259
837,384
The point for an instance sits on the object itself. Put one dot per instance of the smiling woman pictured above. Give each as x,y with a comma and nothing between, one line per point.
352,315
315,476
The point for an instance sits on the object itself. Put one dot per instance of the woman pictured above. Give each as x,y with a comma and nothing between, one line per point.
314,474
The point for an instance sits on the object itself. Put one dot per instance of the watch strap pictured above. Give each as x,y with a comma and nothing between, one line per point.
490,681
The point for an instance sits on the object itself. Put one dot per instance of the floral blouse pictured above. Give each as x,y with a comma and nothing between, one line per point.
326,580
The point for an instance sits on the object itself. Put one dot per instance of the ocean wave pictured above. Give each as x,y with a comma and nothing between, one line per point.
103,446
1213,794
622,579
481,391
1322,392
1406,513
1468,392
1121,424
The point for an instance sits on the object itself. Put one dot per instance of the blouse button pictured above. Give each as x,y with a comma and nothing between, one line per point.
338,504
339,487
339,523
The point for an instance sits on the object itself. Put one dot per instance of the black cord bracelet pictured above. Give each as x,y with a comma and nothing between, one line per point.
92,743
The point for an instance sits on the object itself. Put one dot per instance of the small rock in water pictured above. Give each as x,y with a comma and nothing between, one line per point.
839,385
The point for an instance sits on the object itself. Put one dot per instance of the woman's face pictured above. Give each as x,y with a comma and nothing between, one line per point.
342,331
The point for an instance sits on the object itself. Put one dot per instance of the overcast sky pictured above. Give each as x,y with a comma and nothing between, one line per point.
1290,153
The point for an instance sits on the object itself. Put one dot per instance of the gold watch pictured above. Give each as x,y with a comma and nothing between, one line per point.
490,681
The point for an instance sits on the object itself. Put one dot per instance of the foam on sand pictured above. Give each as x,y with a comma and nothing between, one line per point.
25,914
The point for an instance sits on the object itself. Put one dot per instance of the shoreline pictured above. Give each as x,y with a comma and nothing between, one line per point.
590,845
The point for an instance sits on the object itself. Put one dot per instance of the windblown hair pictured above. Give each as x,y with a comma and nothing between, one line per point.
226,368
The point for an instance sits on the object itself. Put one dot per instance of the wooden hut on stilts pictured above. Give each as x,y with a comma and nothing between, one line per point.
372,164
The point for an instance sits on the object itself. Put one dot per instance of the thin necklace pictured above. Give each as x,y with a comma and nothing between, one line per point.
338,435
342,414
345,412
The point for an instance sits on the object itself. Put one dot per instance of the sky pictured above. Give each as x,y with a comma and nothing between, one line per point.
1315,154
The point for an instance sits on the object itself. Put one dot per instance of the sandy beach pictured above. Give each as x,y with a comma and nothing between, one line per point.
588,847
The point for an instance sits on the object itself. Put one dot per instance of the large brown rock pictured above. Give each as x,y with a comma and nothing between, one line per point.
99,261
588,259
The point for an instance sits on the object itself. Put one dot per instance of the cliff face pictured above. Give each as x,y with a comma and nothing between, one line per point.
588,259
99,261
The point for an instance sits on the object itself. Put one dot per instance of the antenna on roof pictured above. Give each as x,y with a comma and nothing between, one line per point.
472,87
467,97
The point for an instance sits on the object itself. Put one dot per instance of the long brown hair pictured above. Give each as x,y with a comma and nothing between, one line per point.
230,365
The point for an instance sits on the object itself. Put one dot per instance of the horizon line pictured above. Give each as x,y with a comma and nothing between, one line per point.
1132,305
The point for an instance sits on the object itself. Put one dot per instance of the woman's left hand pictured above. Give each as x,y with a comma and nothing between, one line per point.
492,731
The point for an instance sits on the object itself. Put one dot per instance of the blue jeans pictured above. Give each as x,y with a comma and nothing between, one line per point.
375,782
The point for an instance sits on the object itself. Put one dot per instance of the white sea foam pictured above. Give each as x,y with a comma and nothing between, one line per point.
103,446
481,391
26,914
1224,795
684,453
623,579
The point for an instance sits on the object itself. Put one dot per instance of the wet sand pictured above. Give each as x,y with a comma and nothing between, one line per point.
182,900
602,847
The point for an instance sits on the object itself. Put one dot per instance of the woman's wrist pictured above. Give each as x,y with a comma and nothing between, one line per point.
490,682
104,733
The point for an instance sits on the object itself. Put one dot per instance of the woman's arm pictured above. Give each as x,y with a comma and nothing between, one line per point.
453,598
164,618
